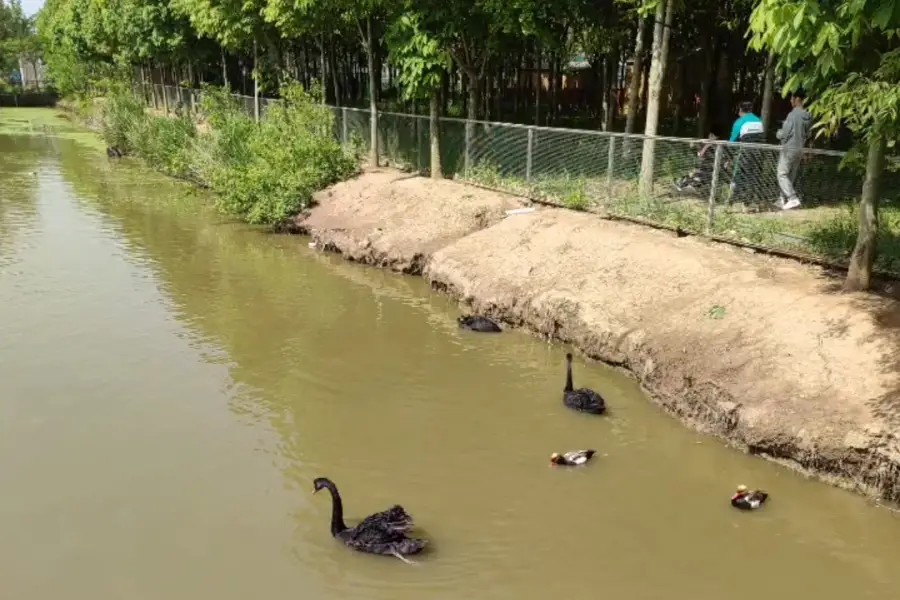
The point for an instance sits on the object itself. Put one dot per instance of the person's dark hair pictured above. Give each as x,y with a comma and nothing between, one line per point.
746,106
801,93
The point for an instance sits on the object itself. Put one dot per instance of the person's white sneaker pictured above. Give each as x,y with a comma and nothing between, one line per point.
780,203
793,203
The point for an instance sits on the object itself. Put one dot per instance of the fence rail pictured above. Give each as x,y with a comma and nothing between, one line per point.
720,189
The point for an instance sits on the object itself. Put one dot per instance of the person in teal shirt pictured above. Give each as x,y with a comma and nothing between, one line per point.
747,167
746,124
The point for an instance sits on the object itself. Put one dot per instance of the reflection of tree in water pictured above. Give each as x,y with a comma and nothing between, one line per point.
235,287
19,187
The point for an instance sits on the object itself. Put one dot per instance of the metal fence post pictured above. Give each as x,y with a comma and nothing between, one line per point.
610,166
717,167
418,145
470,126
529,153
344,139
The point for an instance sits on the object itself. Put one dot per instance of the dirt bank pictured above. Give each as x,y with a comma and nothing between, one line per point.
760,351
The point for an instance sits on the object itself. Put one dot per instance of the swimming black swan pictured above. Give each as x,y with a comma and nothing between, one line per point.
114,152
745,499
478,323
381,533
584,399
572,459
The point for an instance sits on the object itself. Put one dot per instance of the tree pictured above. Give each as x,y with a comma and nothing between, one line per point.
846,54
237,25
423,63
665,10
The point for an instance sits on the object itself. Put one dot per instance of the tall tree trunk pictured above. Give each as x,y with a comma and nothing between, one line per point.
434,107
768,92
678,95
612,73
323,86
859,276
637,67
538,81
165,93
665,9
255,80
334,75
554,85
445,91
706,83
369,42
724,81
224,71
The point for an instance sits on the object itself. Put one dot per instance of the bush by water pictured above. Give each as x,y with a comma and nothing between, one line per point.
263,173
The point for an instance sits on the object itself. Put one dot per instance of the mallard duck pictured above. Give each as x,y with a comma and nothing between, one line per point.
478,323
745,499
571,459
382,533
584,399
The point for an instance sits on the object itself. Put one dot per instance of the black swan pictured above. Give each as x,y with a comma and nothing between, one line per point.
381,533
572,459
745,499
114,152
583,399
478,323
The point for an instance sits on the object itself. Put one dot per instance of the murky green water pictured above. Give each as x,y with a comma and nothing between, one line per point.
172,384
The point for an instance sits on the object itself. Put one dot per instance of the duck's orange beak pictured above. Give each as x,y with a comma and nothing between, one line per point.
315,490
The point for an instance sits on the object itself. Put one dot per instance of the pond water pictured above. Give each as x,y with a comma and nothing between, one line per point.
172,384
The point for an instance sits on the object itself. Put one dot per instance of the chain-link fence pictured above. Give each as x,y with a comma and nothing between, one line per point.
727,190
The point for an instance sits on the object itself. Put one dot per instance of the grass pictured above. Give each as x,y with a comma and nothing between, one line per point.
828,231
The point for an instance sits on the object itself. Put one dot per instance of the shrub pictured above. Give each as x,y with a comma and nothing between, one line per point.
122,121
267,172
262,172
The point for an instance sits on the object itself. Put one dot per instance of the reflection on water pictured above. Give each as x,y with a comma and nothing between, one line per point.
173,383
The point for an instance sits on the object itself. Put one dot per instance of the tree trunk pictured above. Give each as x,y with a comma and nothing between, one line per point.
471,117
637,67
612,74
678,96
665,9
859,276
768,92
224,71
723,93
554,85
435,129
538,82
165,94
256,80
322,84
332,59
373,107
703,128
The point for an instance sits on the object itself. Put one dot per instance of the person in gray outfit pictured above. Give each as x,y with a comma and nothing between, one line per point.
794,134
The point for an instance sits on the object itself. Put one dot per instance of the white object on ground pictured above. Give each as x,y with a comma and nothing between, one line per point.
520,211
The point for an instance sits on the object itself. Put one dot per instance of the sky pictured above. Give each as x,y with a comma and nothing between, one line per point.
31,6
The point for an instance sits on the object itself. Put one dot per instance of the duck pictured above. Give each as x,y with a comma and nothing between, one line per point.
114,152
383,533
478,323
745,499
583,399
571,459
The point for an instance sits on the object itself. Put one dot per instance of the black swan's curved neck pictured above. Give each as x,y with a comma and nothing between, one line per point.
337,511
569,387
